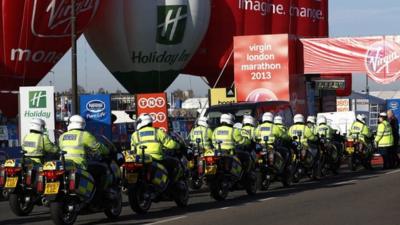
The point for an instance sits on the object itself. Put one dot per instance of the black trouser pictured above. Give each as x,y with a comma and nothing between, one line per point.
394,158
245,159
173,166
385,151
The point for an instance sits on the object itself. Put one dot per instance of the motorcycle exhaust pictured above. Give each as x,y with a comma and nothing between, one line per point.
5,194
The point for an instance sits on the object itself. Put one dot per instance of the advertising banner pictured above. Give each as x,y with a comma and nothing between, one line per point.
36,102
154,104
229,18
220,96
96,109
394,105
377,56
262,67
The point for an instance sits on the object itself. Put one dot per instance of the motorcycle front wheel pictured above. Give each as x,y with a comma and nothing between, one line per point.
115,208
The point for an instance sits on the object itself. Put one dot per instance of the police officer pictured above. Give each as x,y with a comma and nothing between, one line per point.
226,136
249,127
278,120
276,135
37,144
79,144
384,139
301,131
156,143
201,132
362,130
311,123
323,129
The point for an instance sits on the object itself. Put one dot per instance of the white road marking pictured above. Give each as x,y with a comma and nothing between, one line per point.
394,171
167,220
266,199
224,208
344,182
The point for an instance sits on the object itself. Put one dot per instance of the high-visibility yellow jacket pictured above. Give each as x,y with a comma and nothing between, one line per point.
248,132
37,146
202,133
79,145
361,129
155,140
325,130
384,135
270,130
229,137
303,131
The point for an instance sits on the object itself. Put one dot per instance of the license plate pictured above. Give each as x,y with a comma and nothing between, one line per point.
11,182
51,188
211,170
350,149
132,178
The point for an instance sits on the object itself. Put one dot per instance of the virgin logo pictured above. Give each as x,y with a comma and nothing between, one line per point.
382,61
260,95
58,13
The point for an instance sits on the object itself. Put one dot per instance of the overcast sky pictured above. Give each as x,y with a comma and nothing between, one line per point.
347,18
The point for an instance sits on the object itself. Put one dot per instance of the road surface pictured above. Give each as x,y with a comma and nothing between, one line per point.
364,197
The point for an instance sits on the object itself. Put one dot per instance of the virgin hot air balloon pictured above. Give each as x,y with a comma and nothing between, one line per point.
35,34
229,18
146,43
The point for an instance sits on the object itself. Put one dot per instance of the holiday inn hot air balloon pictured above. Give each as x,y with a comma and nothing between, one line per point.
146,43
35,35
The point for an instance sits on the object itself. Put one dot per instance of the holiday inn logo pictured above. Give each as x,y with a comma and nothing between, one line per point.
37,99
171,24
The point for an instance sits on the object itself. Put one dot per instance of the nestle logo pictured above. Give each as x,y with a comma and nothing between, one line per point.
57,14
382,61
95,106
394,105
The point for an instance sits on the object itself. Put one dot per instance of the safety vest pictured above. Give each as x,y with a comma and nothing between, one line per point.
72,142
361,129
324,130
33,145
224,134
266,130
283,127
201,133
248,131
148,137
384,135
301,130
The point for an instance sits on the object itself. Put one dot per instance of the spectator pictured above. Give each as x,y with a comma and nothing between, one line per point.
394,123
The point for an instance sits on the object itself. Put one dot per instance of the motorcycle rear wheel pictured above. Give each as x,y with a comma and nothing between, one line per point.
218,192
137,200
61,215
18,205
115,208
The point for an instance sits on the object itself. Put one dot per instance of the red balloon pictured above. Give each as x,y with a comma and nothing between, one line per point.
35,35
229,18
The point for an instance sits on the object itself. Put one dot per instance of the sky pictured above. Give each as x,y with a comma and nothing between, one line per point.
347,18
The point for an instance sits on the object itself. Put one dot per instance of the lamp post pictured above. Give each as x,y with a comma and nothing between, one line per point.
74,74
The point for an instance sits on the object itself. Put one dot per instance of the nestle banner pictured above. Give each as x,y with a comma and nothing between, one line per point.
154,104
378,56
96,109
262,67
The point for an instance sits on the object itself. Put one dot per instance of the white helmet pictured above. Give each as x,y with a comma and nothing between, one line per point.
247,119
143,120
202,121
383,114
227,118
238,126
37,125
311,119
278,120
361,118
321,120
76,122
268,117
298,118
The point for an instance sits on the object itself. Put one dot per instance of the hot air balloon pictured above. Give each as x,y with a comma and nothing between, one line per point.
145,44
307,18
35,34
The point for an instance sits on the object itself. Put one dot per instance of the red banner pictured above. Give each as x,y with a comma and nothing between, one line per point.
229,18
262,67
378,56
156,105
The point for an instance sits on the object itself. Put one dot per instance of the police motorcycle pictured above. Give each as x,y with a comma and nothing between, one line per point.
19,179
148,181
195,165
307,160
329,158
224,172
69,190
358,153
272,165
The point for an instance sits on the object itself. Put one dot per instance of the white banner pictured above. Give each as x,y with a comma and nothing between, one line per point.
36,102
